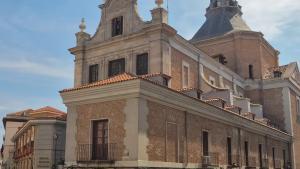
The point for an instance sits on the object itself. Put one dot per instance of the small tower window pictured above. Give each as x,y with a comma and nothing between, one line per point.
277,74
251,72
117,26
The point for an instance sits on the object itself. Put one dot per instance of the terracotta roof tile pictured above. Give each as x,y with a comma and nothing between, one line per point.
115,79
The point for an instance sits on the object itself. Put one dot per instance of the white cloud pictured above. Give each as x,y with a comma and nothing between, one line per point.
270,16
37,68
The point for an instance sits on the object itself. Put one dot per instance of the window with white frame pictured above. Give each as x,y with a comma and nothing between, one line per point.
185,75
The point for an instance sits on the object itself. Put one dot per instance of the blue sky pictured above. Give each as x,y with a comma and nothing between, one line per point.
35,35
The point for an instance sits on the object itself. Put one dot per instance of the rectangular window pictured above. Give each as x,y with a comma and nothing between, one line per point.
284,158
142,64
229,151
165,81
246,153
100,140
260,155
172,142
273,157
116,67
205,147
117,26
185,77
93,73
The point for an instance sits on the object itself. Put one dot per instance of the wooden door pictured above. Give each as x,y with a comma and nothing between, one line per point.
100,140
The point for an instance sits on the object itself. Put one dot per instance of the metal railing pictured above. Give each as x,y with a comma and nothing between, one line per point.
24,151
211,160
97,152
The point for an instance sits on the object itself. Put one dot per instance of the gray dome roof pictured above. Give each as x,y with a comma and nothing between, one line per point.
221,20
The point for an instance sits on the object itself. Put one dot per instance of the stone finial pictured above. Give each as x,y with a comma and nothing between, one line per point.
159,3
82,25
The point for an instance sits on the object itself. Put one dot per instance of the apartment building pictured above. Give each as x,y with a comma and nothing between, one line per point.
34,139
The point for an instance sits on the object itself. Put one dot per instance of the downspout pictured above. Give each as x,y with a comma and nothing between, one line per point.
186,139
240,149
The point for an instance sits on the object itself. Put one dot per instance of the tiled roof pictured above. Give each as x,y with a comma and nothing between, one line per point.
115,79
45,112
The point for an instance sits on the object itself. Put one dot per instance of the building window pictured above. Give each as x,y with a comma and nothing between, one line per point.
260,155
93,73
251,72
273,157
116,67
205,148
185,76
277,74
229,151
246,147
221,59
100,140
165,81
117,26
172,142
142,64
284,158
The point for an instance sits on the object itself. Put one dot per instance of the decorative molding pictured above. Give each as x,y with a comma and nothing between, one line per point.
166,96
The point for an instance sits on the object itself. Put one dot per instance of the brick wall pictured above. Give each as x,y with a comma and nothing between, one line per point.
273,106
176,70
113,111
162,119
296,127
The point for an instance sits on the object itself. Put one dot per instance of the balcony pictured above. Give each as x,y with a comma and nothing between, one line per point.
211,160
100,153
24,151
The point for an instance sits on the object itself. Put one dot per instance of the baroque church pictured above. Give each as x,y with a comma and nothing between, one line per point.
145,97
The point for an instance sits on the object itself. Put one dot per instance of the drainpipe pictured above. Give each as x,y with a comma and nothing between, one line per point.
239,148
186,139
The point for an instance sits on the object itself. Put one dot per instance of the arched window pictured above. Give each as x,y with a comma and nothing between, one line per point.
251,71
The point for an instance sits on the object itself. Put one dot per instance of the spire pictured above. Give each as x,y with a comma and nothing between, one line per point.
222,17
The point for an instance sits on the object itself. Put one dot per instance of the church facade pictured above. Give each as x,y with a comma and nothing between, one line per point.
145,97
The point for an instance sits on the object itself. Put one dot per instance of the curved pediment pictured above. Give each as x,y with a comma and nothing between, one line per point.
111,9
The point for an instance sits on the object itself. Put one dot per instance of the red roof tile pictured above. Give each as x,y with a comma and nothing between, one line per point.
115,79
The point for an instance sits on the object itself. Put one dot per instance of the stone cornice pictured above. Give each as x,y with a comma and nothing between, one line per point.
34,123
143,88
